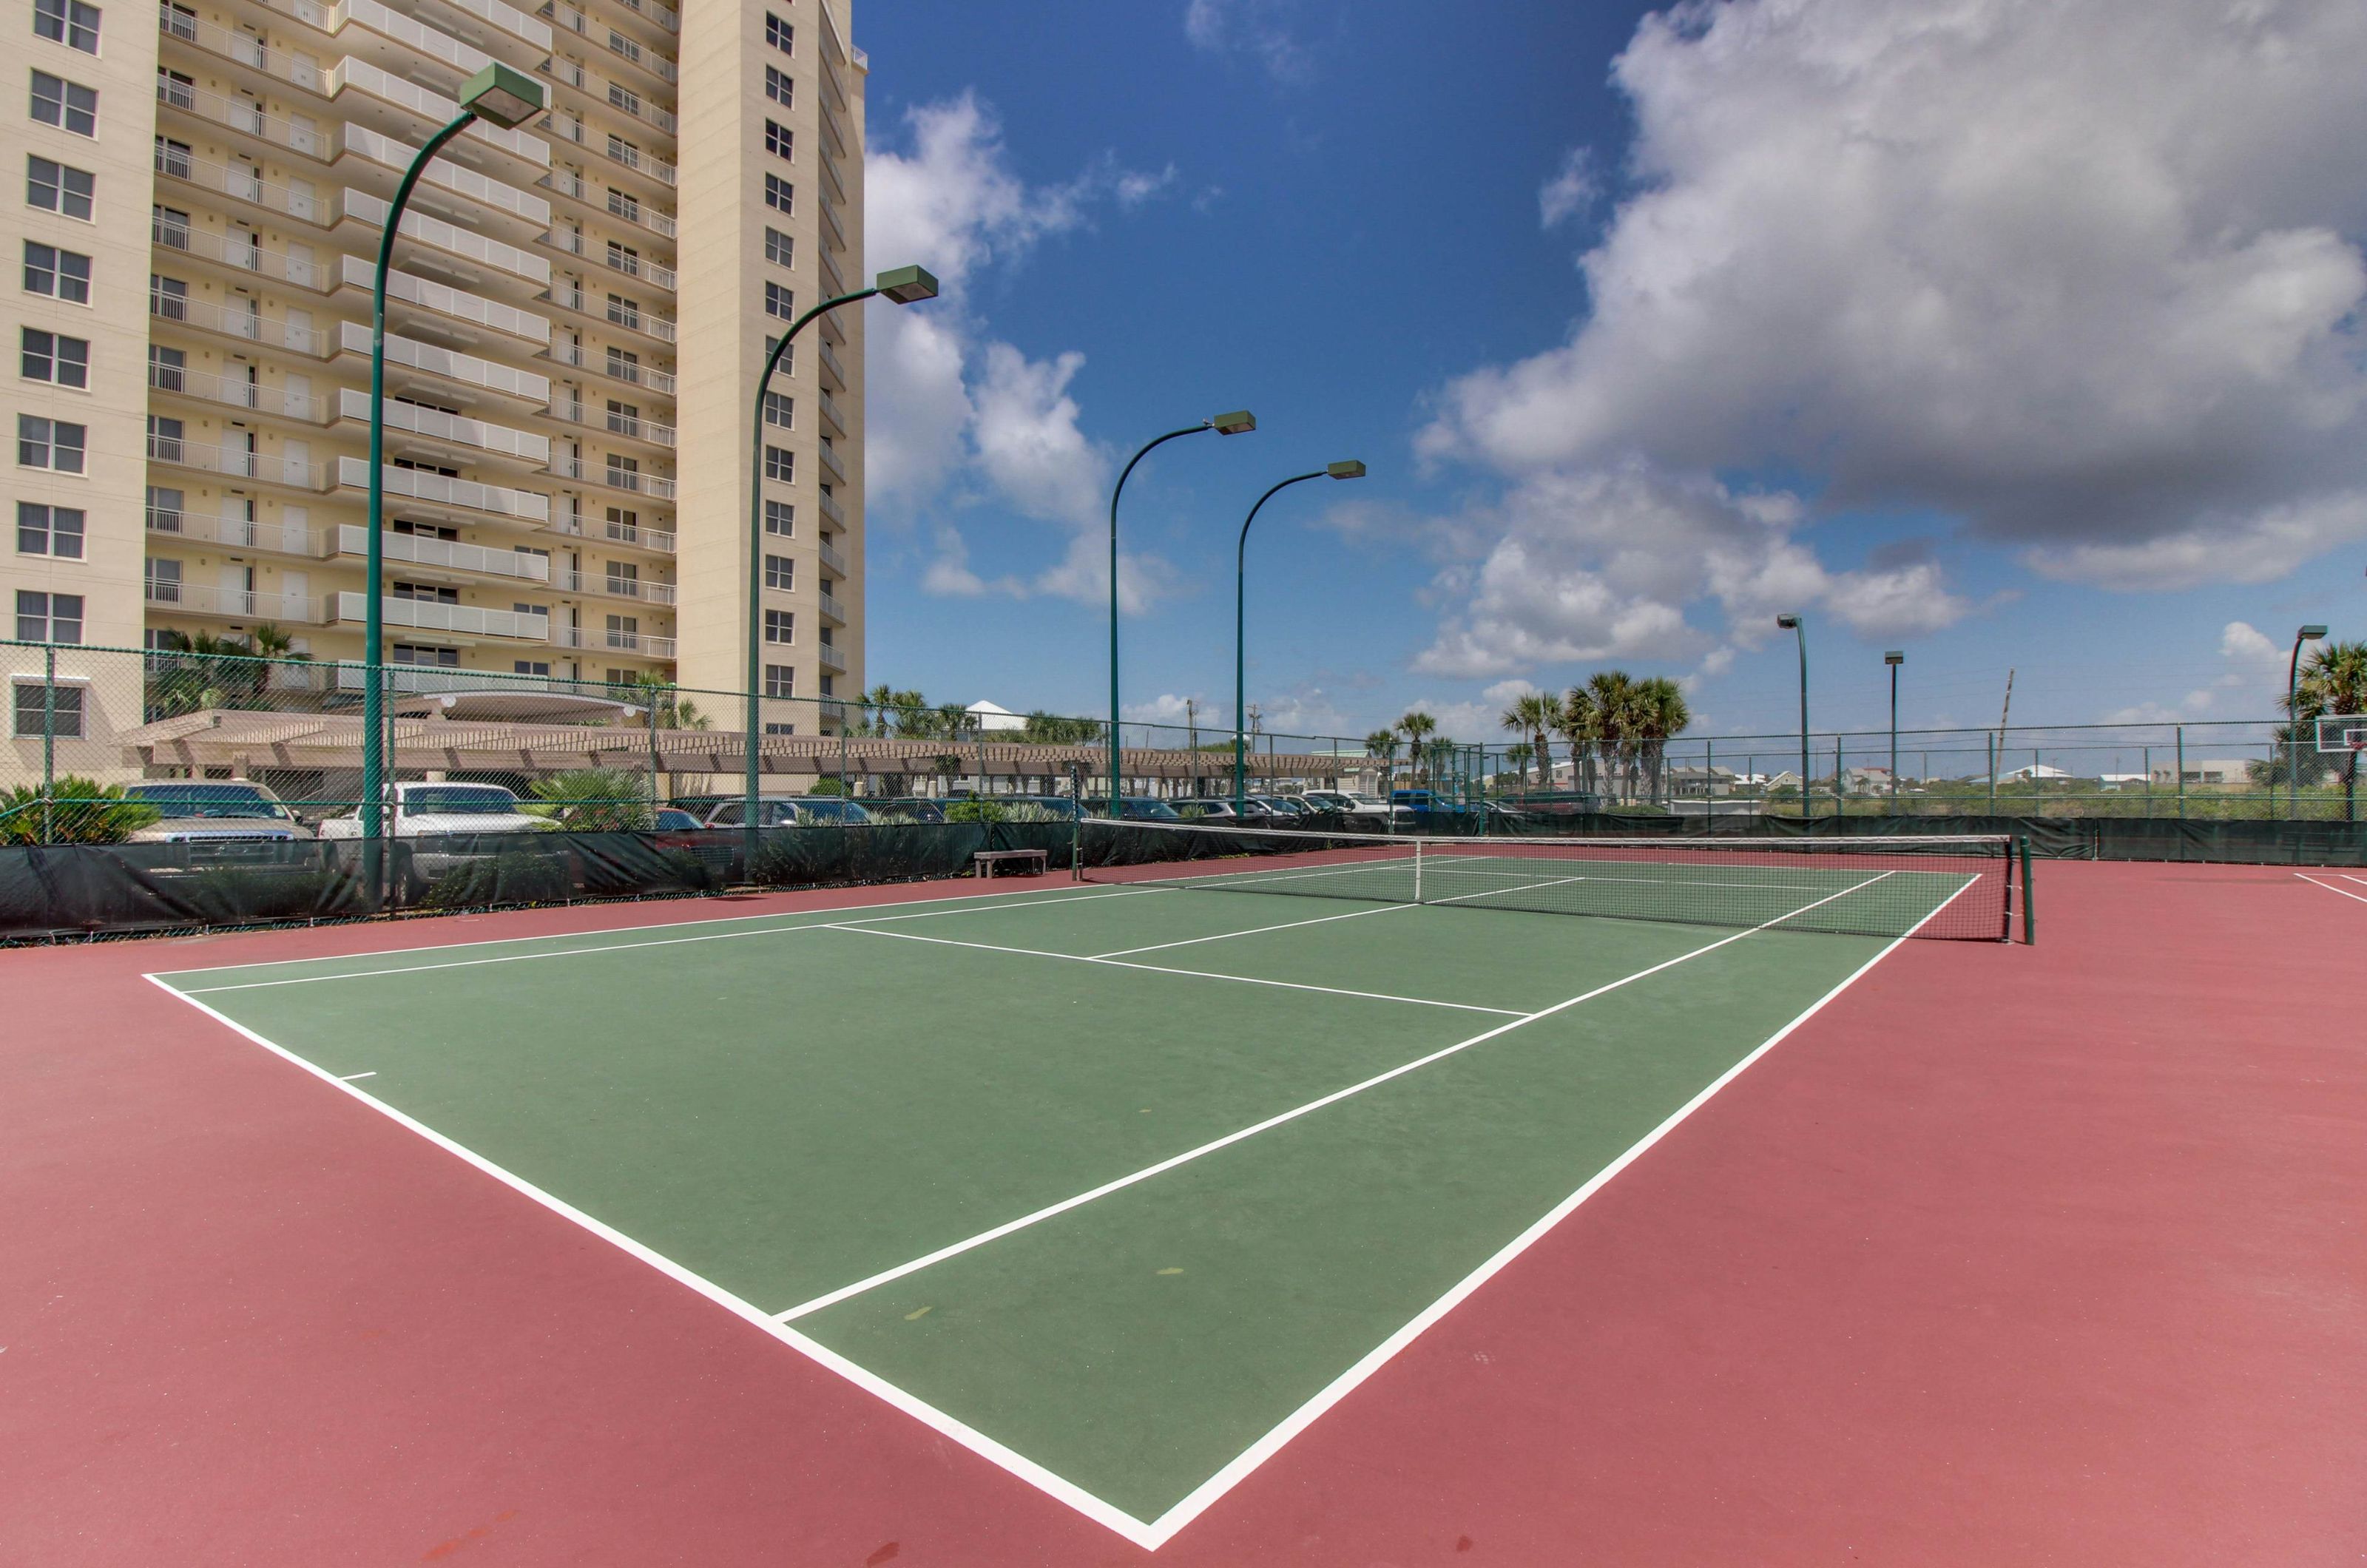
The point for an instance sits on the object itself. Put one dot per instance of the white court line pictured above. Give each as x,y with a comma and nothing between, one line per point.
349,1078
2330,888
1255,931
2348,878
1009,1226
624,946
1161,969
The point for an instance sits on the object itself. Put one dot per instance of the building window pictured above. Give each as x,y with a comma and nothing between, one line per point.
772,728
780,625
427,593
178,20
624,367
624,97
167,368
70,22
164,509
168,297
48,530
778,248
828,687
624,473
161,581
625,418
624,313
781,302
624,206
165,437
779,34
779,195
177,88
622,45
780,572
781,464
625,259
778,86
624,151
781,411
779,142
53,357
168,226
69,106
47,617
421,653
61,275
49,443
780,681
54,187
780,518
51,709
531,667
624,523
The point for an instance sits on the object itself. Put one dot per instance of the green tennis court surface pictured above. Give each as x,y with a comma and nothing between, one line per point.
965,1145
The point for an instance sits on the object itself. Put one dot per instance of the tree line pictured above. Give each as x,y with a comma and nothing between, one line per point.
1618,728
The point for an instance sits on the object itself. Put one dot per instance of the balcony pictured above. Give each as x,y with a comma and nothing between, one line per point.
630,318
450,238
830,507
473,309
467,370
648,60
642,162
833,281
655,486
430,615
447,554
630,426
574,357
245,117
639,643
238,393
240,252
832,230
232,533
631,535
443,174
830,659
232,463
440,490
642,590
832,610
232,603
240,181
244,50
417,103
832,559
834,374
830,460
522,444
641,267
508,18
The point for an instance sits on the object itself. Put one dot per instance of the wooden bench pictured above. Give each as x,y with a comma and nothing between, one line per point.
1037,862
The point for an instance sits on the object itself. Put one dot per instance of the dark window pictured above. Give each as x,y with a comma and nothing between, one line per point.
781,411
779,195
624,313
56,710
49,443
168,297
69,106
780,518
781,302
778,248
47,617
70,22
781,464
780,572
53,357
778,85
48,530
779,34
780,681
780,625
164,509
778,141
54,187
62,274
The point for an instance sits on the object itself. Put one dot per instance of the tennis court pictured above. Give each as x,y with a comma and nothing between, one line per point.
1120,1184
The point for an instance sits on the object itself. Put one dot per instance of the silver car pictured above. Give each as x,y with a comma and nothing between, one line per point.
216,822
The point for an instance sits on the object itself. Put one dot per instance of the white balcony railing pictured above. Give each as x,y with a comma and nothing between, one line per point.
244,182
832,610
631,317
509,19
655,486
830,460
247,117
249,326
631,534
242,250
830,507
641,643
830,658
616,587
443,174
831,415
235,532
434,422
519,565
832,559
430,614
429,295
440,490
641,267
233,603
434,108
263,467
239,393
467,370
242,49
831,370
573,357
429,230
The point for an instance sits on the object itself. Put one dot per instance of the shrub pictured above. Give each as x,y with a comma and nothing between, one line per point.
597,800
78,811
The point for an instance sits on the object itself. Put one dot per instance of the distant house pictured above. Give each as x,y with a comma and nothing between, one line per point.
1867,781
1700,783
993,718
2032,772
2207,771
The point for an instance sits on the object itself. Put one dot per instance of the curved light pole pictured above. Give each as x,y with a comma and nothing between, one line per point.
2292,720
1237,423
1895,657
1351,469
1796,625
498,95
905,286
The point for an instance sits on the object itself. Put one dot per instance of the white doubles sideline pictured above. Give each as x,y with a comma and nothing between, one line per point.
2330,888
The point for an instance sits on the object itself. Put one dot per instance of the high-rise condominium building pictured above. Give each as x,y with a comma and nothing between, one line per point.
577,316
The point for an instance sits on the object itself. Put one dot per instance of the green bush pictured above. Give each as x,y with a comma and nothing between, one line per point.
597,800
77,811
510,877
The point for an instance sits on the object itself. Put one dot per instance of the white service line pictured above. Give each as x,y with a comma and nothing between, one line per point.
628,946
1163,969
2330,888
955,1249
1255,931
349,1078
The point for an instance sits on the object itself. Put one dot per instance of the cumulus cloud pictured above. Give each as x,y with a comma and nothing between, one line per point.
1571,190
1611,563
2084,276
2251,683
1254,29
955,413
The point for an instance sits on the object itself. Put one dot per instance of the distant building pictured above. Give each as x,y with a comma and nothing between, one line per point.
993,718
2207,771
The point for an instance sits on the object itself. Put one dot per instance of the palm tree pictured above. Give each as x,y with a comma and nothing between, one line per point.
1516,757
2334,682
1532,716
1381,745
1581,725
1661,715
1416,726
1618,723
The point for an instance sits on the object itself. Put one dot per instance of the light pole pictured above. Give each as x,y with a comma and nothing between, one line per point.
1237,423
1795,624
2293,721
1895,657
905,286
498,95
1351,469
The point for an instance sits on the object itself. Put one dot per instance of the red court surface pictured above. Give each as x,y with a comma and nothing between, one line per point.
2048,1255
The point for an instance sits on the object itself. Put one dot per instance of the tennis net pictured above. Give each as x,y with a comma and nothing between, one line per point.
1958,886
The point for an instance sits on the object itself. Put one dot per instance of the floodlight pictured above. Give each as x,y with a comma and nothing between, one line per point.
2310,634
1789,623
1893,657
1351,469
907,285
501,97
1239,422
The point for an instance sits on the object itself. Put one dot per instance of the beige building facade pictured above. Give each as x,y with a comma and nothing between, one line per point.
578,314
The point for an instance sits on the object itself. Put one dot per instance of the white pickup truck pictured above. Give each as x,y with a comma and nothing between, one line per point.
434,810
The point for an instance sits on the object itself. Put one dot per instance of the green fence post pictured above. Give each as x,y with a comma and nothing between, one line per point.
1991,740
50,741
2181,774
2029,901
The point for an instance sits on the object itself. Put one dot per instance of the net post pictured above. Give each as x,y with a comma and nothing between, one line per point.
1417,871
2029,903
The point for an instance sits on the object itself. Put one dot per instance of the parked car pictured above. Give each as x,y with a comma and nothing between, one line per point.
1362,810
912,808
1059,805
789,811
455,815
1284,806
1252,812
674,819
216,822
1135,808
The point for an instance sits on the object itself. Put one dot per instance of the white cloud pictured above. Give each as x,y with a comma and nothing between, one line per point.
2084,275
1571,190
2252,683
1249,28
957,415
1609,563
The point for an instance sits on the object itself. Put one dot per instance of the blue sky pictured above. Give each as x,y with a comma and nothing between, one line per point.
2012,342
